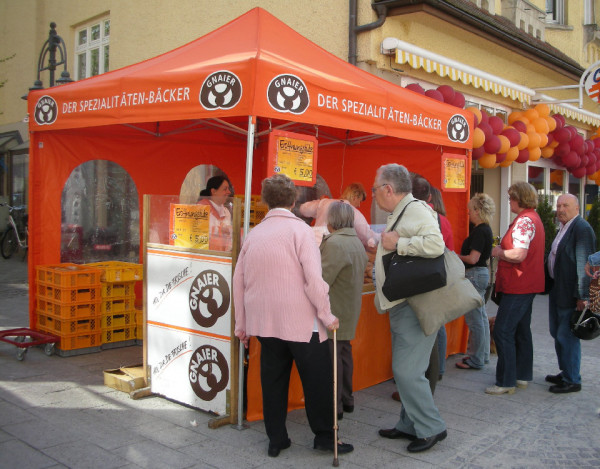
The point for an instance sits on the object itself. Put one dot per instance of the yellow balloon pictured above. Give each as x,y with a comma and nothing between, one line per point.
504,144
541,126
531,114
487,161
506,163
551,123
543,140
524,141
530,128
514,116
554,144
535,154
512,154
534,140
478,137
543,110
547,152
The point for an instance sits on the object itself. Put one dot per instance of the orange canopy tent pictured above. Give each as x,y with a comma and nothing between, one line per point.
214,101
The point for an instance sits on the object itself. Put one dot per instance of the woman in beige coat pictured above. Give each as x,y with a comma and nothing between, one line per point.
343,260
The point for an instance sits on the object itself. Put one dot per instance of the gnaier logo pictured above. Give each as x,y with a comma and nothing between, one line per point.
288,93
208,372
46,111
209,297
220,90
458,129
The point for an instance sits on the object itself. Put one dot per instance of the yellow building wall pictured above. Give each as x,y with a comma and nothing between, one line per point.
141,29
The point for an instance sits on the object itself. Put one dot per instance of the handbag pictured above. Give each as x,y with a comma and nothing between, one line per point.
407,276
585,324
445,304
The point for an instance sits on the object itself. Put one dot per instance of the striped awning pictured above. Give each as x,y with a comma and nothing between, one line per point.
575,113
459,72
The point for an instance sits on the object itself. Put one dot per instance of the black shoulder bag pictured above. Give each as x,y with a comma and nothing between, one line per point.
407,276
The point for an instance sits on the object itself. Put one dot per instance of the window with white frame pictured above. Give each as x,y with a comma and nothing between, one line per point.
92,48
555,11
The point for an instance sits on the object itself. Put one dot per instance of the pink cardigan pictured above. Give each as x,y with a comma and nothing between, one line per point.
277,285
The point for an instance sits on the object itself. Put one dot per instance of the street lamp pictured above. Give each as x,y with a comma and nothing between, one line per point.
53,44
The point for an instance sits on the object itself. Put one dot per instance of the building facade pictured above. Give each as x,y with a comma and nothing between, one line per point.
502,56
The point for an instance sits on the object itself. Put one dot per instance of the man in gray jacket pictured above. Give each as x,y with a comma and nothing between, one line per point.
417,234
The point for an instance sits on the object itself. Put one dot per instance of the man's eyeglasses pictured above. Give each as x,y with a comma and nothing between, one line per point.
374,188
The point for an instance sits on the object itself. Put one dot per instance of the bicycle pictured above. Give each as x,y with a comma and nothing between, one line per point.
14,238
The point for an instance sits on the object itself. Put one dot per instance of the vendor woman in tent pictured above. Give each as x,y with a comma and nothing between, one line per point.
217,191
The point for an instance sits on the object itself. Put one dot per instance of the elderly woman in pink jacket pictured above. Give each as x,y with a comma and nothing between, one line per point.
281,298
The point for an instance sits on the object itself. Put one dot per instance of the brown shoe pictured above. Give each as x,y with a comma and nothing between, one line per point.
396,396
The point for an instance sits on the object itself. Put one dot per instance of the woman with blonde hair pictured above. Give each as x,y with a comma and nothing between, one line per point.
475,253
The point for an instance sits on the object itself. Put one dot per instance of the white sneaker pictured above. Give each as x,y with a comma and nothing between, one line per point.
522,384
497,390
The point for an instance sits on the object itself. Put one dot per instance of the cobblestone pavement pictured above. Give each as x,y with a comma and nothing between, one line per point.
55,412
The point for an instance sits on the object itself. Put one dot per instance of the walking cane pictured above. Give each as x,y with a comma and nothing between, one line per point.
335,420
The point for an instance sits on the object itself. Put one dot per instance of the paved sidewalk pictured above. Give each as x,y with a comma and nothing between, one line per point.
55,412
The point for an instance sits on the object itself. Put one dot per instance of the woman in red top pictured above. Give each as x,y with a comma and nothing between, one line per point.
519,277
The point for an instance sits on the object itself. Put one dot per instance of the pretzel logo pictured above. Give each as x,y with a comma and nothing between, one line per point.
46,111
209,297
458,129
208,372
288,93
220,90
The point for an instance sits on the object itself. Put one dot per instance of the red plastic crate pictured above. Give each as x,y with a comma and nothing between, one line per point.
68,275
68,295
64,327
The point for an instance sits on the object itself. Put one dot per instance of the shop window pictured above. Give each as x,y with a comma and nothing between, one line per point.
536,178
195,181
92,49
555,11
100,215
574,185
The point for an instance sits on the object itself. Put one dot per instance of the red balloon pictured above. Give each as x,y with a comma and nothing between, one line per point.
416,88
570,160
500,157
573,131
589,146
550,138
447,92
562,135
584,160
590,169
523,156
492,144
435,94
513,136
562,149
578,172
596,142
520,126
496,124
577,144
560,121
459,100
484,117
487,129
478,153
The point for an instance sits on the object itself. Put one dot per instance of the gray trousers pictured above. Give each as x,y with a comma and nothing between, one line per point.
411,351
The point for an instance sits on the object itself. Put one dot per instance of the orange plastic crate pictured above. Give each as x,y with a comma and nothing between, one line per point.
64,327
68,295
68,275
139,317
67,310
78,341
111,321
117,290
117,305
139,332
118,334
115,271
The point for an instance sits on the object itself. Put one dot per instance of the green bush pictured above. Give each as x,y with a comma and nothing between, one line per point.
544,210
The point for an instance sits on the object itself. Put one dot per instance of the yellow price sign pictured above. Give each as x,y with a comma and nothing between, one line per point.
454,173
189,226
294,155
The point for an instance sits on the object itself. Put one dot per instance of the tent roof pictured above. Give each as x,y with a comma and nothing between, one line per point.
254,65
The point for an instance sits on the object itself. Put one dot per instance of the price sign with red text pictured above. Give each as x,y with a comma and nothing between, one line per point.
454,173
188,226
294,155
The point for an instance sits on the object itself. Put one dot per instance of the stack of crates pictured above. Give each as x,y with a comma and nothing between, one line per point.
258,209
117,304
68,306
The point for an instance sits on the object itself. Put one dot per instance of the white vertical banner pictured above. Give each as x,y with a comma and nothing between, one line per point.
189,327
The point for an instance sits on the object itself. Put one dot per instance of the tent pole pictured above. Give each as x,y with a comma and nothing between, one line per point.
247,202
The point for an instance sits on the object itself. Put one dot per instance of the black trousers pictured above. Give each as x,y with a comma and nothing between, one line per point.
313,362
345,370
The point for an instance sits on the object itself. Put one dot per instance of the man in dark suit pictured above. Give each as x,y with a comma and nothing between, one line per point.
574,242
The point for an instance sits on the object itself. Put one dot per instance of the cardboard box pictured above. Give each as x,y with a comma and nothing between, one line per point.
126,379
